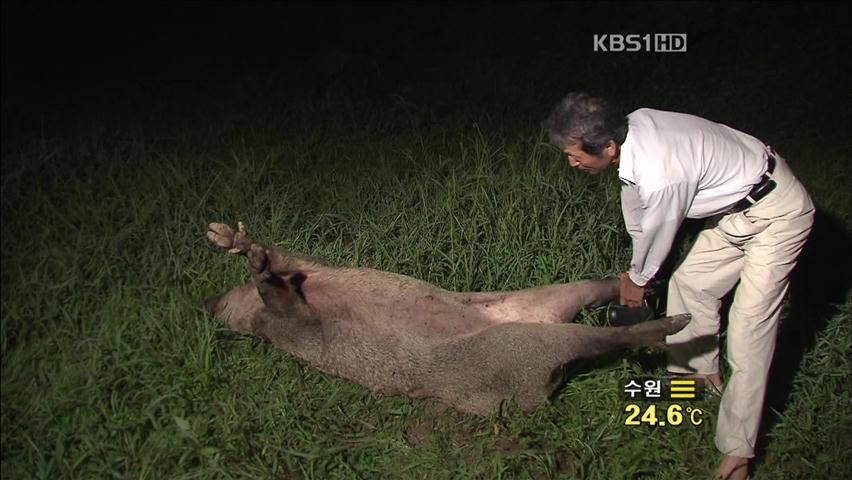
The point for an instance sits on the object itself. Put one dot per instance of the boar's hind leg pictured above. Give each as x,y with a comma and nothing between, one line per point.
547,304
523,361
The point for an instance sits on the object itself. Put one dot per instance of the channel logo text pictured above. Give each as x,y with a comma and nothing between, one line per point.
636,42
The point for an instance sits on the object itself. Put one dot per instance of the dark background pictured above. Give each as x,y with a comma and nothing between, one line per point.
760,66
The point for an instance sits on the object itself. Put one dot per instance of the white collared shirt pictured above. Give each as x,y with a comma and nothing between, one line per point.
675,166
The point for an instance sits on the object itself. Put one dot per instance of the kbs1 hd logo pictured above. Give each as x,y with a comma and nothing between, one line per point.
635,42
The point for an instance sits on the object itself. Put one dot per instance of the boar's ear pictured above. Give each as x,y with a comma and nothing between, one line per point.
282,293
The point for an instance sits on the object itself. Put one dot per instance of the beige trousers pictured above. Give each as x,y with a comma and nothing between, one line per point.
758,248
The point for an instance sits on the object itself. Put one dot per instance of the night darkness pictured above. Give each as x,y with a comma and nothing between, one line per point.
122,120
65,62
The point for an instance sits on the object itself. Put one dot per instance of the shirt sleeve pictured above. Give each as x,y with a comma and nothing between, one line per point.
652,222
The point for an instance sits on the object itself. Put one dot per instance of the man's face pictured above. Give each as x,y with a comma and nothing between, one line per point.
593,164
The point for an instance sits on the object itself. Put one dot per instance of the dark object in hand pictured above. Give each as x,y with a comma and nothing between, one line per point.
615,315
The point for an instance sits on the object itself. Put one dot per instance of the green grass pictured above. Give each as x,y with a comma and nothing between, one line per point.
111,369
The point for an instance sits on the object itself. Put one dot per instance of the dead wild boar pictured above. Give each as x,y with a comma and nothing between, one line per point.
398,335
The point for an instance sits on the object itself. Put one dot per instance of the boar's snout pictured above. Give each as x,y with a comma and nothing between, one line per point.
213,305
236,308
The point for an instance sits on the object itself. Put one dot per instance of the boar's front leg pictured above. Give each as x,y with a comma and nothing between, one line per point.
277,274
276,310
239,243
223,236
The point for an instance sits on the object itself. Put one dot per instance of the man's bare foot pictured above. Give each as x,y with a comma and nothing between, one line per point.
732,468
714,380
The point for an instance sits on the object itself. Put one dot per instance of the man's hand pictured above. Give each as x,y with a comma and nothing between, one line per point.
630,294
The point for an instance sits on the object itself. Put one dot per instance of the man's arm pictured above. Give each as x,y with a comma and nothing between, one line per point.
652,223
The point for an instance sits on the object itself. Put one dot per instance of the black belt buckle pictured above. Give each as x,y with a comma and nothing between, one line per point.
762,189
770,165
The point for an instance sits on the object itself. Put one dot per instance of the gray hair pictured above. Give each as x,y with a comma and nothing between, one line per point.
589,121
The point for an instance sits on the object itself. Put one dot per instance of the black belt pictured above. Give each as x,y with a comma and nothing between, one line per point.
760,190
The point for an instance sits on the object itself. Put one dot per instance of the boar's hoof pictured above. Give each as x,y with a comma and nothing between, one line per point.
679,321
223,236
